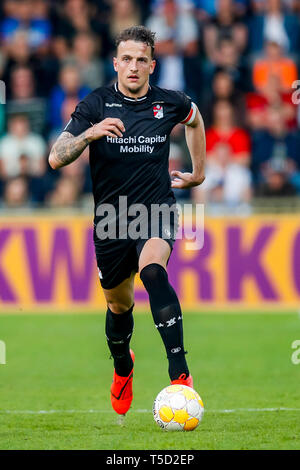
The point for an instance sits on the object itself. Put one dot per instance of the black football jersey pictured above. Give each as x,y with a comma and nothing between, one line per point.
135,165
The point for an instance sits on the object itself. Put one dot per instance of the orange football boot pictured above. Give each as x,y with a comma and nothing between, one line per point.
184,380
121,391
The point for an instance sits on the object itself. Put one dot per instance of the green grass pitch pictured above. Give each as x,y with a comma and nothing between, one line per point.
240,362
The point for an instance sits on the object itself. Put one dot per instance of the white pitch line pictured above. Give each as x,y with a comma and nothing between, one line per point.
50,412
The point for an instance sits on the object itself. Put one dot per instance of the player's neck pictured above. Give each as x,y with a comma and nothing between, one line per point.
142,92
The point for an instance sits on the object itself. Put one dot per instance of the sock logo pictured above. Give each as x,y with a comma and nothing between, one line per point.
171,322
176,350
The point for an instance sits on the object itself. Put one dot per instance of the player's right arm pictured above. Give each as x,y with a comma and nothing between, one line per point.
68,147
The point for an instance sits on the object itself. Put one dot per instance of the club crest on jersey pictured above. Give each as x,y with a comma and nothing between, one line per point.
158,111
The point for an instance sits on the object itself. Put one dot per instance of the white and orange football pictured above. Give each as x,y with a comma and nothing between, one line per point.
178,408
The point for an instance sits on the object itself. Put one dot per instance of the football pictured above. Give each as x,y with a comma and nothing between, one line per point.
178,408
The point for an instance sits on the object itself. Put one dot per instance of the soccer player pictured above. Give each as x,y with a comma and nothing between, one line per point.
127,127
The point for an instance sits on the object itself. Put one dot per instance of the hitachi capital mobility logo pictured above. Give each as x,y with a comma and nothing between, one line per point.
137,144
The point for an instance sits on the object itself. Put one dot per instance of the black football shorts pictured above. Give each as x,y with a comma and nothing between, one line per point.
118,258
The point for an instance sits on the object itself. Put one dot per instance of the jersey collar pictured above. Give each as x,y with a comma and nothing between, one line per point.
126,99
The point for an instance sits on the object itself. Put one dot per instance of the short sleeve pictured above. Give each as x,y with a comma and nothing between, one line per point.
81,119
186,109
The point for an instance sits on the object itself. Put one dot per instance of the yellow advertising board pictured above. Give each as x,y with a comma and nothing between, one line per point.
47,263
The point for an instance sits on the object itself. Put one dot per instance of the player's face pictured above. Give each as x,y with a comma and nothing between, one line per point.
133,65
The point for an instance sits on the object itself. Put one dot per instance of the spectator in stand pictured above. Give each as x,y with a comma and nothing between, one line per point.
22,84
21,151
229,59
18,53
225,131
25,15
84,57
259,102
77,16
68,88
60,48
16,193
40,59
223,89
228,178
279,145
23,98
65,194
273,24
176,47
225,25
124,13
274,63
275,181
227,185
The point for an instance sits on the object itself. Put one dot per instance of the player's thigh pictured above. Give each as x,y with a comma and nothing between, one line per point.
120,298
155,250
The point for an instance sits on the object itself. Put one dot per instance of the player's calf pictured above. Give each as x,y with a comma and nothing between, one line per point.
118,329
167,316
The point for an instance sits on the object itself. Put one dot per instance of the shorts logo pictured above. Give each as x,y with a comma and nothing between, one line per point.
100,274
158,111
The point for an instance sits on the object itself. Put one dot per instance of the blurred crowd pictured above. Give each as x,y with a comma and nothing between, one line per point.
237,59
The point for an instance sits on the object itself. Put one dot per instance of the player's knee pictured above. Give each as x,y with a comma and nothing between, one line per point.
154,275
118,307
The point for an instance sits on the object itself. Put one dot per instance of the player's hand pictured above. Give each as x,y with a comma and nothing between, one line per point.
185,180
112,127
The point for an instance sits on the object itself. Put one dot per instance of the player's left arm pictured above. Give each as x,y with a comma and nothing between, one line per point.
196,142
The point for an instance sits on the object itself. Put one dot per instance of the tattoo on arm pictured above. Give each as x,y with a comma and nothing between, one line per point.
68,148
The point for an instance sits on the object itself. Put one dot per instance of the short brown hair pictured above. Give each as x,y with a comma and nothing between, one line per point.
138,34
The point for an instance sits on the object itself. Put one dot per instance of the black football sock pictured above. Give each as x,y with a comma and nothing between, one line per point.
118,329
167,316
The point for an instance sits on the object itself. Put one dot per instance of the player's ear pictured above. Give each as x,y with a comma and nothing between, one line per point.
115,64
152,67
